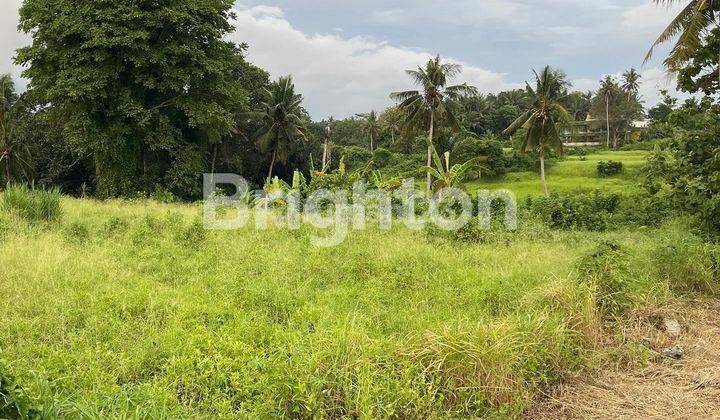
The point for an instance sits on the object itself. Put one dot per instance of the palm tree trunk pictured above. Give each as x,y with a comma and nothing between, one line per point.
392,136
607,118
325,153
429,157
272,164
542,172
372,144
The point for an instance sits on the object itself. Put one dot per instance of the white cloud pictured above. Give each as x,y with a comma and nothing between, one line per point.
339,76
11,39
649,19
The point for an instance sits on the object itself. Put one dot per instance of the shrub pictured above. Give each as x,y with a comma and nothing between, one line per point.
356,157
688,170
471,148
382,157
609,168
581,211
14,403
34,205
576,151
607,267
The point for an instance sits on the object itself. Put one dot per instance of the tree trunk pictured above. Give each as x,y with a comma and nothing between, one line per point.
212,164
392,136
607,118
429,157
325,154
272,164
7,169
542,172
372,144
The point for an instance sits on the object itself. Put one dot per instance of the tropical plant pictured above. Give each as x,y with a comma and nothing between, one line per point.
143,87
282,123
371,127
326,144
447,176
620,107
14,152
608,88
631,83
541,120
428,108
688,27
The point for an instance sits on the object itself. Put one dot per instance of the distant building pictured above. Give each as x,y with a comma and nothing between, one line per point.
590,132
593,132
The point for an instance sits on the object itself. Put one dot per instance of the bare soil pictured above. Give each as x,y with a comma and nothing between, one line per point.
688,388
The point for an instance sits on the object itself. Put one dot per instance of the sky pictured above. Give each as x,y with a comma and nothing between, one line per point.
347,56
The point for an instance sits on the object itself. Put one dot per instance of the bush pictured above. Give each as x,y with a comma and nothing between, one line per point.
687,172
34,205
608,268
355,157
382,157
609,168
566,212
470,148
14,403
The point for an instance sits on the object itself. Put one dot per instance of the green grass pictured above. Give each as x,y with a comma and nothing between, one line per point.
572,175
130,309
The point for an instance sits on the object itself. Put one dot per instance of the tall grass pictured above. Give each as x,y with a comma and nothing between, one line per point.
33,204
134,311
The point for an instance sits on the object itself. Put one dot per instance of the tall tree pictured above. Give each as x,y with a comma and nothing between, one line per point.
631,83
608,88
144,87
429,108
542,119
326,143
688,27
620,107
282,123
371,127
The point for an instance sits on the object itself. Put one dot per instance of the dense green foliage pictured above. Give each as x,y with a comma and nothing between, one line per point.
609,168
144,88
687,170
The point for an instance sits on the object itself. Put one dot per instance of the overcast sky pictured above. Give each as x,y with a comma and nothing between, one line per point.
346,56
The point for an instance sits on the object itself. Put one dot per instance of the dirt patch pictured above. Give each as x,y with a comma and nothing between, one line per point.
665,388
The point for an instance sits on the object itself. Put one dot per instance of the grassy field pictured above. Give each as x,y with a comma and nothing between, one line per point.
130,309
572,175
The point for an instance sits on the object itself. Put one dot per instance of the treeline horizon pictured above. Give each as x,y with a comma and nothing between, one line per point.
130,101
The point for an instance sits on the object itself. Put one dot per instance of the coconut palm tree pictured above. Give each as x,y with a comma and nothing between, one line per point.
428,108
688,27
542,119
371,127
328,139
607,90
282,122
631,83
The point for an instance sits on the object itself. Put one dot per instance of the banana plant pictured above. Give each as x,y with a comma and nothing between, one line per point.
388,185
275,184
446,176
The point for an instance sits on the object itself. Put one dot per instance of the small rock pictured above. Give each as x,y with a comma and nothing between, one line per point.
675,353
672,328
